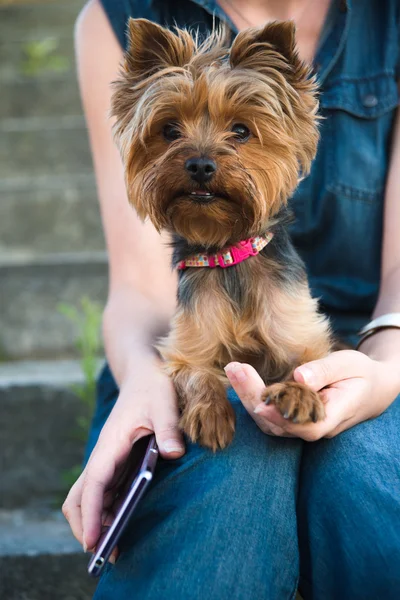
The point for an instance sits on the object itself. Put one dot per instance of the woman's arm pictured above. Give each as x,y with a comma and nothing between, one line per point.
140,303
142,287
356,386
385,344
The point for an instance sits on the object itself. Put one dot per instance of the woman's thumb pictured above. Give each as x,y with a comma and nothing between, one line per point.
334,367
168,435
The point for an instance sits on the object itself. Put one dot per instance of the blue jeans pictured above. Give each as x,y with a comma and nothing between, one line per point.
265,516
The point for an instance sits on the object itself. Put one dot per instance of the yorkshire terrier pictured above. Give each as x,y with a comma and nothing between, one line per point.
214,140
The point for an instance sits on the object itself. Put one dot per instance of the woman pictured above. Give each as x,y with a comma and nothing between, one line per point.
272,511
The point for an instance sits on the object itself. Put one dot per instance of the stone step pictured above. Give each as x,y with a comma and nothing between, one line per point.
37,21
39,435
40,559
34,532
49,214
44,146
31,291
56,96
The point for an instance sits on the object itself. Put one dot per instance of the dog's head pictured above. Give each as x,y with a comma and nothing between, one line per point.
213,138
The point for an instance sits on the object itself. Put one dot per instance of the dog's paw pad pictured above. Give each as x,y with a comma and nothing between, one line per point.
295,401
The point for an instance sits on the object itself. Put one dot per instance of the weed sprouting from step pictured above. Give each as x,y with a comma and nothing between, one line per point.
87,320
42,56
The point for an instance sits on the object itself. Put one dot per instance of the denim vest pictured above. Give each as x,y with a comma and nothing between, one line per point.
338,208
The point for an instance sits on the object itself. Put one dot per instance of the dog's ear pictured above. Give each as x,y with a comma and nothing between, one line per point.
152,48
257,48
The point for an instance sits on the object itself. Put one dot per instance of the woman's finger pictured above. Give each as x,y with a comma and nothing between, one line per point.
249,387
107,518
344,364
92,507
72,509
274,430
308,432
114,556
247,384
99,473
166,427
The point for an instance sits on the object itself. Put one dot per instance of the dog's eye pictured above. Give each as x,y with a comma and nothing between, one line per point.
171,132
242,133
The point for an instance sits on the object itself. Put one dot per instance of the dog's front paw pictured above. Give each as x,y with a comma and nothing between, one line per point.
295,401
210,424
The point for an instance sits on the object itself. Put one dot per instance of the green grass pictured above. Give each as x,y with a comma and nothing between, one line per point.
87,320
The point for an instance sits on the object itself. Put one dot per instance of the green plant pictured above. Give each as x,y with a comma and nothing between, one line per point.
41,56
86,319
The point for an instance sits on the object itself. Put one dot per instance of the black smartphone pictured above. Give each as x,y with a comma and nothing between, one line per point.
135,479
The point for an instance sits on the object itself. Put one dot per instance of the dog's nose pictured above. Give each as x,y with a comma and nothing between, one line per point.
201,169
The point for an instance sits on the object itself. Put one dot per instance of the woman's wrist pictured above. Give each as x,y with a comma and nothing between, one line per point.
383,322
138,360
131,326
384,348
383,345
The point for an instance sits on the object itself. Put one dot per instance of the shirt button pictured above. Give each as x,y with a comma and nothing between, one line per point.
370,100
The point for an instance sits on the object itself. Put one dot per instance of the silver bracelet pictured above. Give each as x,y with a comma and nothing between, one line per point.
389,321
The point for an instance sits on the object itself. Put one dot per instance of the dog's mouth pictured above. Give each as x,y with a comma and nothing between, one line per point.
200,196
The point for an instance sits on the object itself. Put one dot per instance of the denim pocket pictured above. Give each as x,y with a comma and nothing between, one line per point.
359,117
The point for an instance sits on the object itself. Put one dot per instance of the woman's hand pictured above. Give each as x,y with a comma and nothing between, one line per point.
353,386
146,404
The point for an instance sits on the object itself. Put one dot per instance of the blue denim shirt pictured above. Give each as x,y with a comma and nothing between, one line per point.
339,207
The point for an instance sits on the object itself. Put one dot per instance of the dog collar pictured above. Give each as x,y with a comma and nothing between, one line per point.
229,257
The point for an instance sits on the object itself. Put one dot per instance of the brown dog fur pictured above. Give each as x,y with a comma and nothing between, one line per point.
259,311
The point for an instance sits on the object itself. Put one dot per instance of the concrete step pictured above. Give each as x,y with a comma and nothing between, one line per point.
49,214
40,559
35,532
44,146
31,291
39,437
56,96
25,22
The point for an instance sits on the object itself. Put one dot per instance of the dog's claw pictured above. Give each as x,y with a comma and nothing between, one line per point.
286,415
267,400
